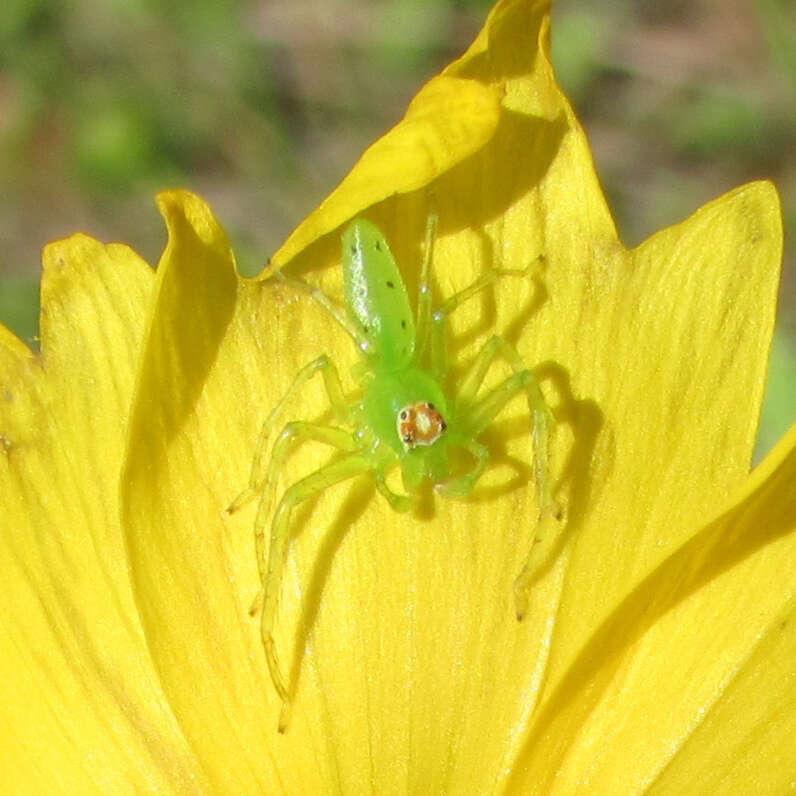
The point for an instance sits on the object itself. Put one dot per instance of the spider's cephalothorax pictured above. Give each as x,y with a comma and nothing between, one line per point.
403,418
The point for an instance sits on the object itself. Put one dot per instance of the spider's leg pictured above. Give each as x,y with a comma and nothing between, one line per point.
398,502
340,470
474,376
292,434
334,392
423,325
463,485
477,415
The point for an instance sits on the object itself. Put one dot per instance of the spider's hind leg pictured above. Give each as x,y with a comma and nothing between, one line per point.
434,337
327,304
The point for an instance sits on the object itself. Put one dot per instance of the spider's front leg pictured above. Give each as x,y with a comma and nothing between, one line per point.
292,434
431,325
334,392
398,502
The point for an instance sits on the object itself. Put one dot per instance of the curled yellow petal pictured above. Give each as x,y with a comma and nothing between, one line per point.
448,120
689,679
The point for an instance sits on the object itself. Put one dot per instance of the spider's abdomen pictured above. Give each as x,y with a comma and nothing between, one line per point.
376,297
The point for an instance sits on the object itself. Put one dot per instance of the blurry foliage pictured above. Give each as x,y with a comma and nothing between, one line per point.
19,305
263,106
778,409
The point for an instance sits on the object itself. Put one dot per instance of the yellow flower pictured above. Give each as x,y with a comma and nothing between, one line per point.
658,652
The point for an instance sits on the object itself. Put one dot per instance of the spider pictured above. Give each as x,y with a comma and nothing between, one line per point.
404,416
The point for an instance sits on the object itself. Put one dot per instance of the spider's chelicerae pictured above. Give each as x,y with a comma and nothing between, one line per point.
405,416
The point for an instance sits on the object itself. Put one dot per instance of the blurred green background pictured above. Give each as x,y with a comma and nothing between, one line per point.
262,106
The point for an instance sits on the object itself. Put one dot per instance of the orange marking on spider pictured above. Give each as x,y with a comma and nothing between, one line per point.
420,423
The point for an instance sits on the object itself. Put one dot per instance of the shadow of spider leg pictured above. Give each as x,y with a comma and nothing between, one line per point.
342,469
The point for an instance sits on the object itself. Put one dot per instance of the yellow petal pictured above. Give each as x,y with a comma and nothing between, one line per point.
407,669
82,706
378,607
12,352
191,609
671,344
655,357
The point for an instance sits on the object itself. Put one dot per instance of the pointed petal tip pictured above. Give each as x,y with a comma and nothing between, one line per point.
12,350
181,209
